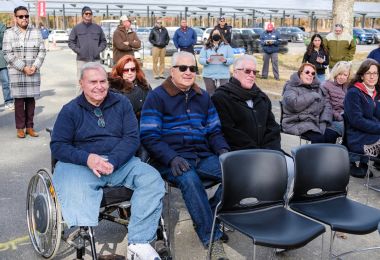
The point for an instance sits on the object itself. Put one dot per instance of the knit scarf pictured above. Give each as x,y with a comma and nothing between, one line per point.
237,91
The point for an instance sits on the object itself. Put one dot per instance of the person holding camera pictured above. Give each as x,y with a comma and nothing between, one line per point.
318,55
270,41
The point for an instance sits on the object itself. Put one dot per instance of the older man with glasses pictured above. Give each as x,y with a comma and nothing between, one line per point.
87,40
181,131
340,45
24,51
94,140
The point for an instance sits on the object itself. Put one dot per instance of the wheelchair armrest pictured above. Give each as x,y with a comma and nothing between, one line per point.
49,130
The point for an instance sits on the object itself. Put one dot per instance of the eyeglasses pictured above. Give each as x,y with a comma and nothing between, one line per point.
159,22
183,68
375,74
249,71
98,113
87,13
307,72
126,70
23,16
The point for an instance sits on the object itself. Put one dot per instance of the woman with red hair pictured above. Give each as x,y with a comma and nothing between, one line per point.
128,78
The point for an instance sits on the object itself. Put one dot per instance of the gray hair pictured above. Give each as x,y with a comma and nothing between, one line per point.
91,66
181,54
340,67
240,60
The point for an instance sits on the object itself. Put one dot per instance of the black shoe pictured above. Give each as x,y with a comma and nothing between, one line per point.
224,238
162,77
358,171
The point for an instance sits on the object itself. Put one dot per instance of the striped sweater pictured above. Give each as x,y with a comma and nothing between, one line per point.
176,123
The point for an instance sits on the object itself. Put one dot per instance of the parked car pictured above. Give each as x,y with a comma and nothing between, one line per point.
375,34
206,34
58,36
143,31
292,34
257,30
199,35
361,36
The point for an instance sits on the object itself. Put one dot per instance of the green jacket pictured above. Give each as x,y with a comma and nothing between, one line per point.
3,63
341,48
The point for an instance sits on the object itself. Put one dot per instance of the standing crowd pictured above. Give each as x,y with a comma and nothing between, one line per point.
183,127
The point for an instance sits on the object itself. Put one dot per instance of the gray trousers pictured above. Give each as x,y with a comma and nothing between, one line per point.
212,84
274,58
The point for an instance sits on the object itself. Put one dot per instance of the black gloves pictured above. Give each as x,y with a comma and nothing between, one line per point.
179,165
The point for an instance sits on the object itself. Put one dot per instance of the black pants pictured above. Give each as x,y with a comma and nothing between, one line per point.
329,136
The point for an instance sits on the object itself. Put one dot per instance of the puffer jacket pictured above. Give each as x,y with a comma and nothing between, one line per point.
159,37
336,94
340,47
305,107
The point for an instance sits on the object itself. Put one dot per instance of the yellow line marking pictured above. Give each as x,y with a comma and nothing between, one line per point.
12,244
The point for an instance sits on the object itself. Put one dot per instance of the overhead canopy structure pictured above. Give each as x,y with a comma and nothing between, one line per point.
7,6
253,8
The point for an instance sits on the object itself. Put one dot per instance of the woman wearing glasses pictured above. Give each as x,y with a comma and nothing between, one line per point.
216,57
306,108
336,87
128,78
362,110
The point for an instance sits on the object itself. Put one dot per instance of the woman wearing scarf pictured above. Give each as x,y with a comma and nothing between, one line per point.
216,57
362,110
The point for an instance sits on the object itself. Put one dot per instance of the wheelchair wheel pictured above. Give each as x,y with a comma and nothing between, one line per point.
43,215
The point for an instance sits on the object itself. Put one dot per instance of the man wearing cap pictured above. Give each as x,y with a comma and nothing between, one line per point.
224,29
125,40
87,40
270,41
341,45
159,38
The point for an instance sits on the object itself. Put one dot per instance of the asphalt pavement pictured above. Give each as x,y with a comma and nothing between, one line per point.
21,158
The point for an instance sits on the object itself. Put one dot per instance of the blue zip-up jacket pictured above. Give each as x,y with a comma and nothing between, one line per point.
217,71
76,132
363,116
176,123
375,54
184,39
272,36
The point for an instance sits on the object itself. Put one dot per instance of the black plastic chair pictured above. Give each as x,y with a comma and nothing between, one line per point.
254,185
320,192
301,137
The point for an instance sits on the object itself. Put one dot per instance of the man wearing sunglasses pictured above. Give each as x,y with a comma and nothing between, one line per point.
87,40
24,51
95,138
180,129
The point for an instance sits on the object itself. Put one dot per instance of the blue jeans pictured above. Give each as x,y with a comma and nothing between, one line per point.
80,193
4,77
321,77
337,126
200,208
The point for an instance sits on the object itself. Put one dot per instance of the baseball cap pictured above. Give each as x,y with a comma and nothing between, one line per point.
86,9
222,18
124,18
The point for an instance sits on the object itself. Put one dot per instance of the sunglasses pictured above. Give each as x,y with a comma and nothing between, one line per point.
248,71
23,16
307,72
87,13
129,70
98,113
183,68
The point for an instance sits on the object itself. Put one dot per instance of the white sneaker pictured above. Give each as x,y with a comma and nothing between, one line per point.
142,252
9,106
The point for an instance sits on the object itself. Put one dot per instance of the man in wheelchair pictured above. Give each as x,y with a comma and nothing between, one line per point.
94,140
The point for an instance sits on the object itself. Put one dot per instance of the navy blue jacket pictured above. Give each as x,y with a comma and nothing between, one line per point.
184,39
174,123
363,116
272,47
76,132
375,54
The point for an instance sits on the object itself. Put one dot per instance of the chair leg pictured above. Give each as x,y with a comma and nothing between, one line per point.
254,250
212,235
332,236
322,247
92,243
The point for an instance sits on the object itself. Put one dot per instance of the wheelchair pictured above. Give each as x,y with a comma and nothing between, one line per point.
47,228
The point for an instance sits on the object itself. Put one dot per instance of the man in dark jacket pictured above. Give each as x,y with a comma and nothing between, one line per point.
246,114
94,140
180,129
159,38
224,29
270,41
87,40
125,40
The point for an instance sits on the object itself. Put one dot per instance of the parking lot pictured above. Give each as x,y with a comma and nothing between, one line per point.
21,158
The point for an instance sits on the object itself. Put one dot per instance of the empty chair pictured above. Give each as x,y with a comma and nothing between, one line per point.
320,191
254,184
